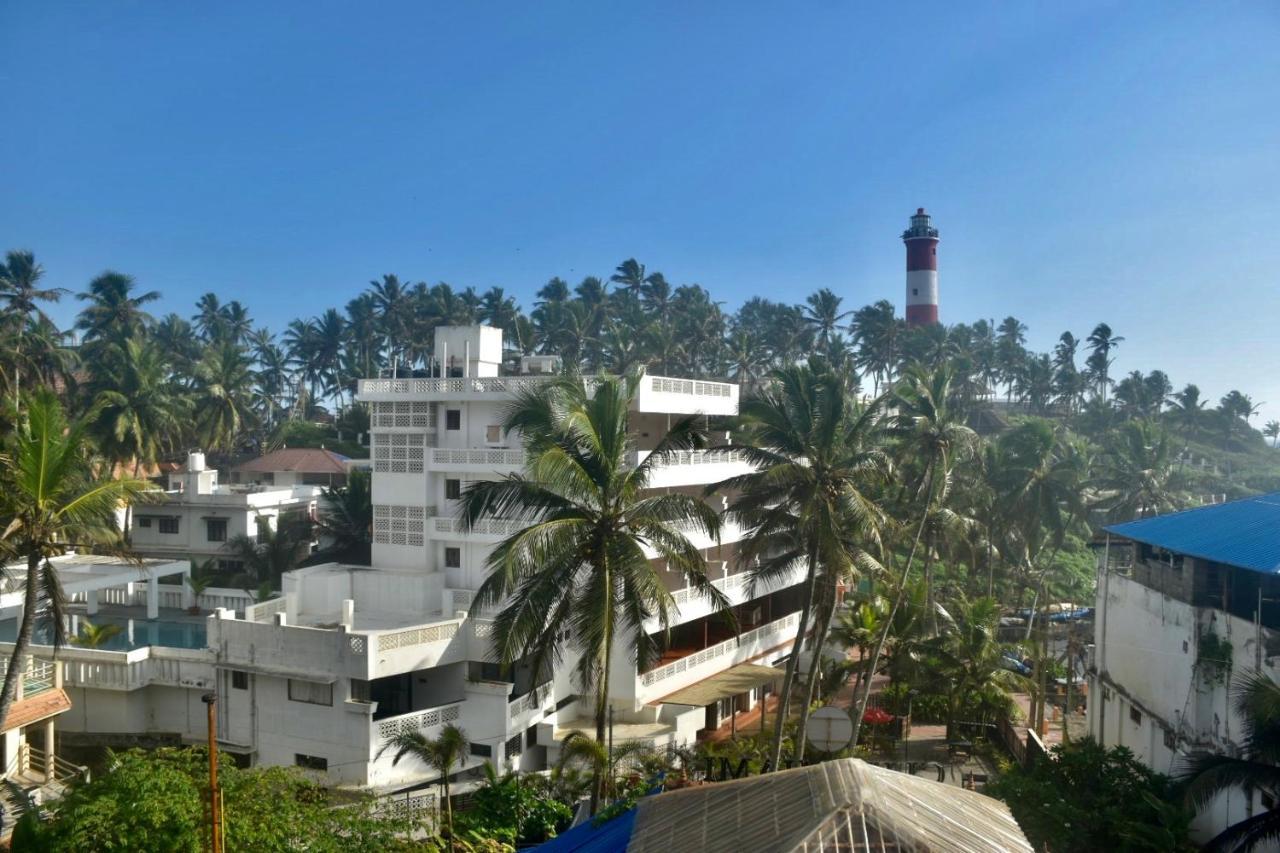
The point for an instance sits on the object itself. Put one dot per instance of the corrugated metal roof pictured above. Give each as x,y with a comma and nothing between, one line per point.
1243,533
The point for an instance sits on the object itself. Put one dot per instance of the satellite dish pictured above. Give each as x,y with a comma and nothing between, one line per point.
830,729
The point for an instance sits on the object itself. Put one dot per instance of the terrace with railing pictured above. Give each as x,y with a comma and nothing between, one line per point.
668,678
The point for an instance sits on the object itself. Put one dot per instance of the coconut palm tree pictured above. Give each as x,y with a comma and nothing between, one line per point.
929,433
1257,700
114,311
93,636
1137,477
579,562
223,396
1102,342
270,555
822,313
968,656
441,754
19,276
811,499
51,499
1272,431
346,515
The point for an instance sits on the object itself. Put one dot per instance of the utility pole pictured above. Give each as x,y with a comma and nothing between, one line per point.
215,816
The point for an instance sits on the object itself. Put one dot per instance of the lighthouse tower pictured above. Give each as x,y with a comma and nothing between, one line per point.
922,270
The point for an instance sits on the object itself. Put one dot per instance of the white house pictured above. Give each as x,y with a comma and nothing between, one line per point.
196,516
1185,601
347,656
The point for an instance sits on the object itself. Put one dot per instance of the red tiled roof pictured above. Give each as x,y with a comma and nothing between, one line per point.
24,712
305,460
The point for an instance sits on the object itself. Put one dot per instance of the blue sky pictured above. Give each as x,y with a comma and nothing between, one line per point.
1084,161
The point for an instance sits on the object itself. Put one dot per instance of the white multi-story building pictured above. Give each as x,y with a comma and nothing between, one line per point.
197,515
1184,602
321,676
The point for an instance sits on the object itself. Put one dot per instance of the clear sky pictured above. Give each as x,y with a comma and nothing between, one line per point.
1084,161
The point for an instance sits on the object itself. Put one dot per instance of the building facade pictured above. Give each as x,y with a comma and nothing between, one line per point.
345,657
1184,602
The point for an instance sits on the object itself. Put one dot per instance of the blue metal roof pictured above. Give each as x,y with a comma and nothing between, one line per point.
1243,533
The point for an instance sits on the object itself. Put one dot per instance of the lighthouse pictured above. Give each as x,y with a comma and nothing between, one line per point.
922,270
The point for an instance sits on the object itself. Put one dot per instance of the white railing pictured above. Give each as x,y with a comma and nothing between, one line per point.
484,527
690,457
684,664
417,636
172,596
265,611
697,387
529,701
408,806
454,385
418,721
459,599
38,678
728,586
481,456
481,629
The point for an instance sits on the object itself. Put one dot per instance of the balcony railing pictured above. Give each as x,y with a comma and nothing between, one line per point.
482,456
419,721
484,527
729,646
454,385
666,385
417,636
689,457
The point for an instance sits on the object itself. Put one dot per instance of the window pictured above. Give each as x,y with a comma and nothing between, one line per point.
453,558
482,750
452,489
144,521
1170,739
217,529
493,434
531,737
360,690
1135,716
239,679
169,524
311,692
311,762
915,291
453,419
231,565
513,746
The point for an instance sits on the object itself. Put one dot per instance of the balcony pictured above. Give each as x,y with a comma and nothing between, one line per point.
692,467
477,461
702,664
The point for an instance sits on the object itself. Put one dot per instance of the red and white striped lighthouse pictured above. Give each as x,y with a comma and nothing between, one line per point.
922,270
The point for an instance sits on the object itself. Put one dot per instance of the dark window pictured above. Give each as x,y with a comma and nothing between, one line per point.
1170,739
217,529
453,558
169,525
453,489
239,679
144,521
1135,716
231,565
311,762
513,746
359,690
482,750
453,419
311,692
531,737
915,291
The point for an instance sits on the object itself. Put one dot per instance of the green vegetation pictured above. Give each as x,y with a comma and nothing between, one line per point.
1086,798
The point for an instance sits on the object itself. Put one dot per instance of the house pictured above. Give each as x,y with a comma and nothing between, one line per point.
1184,601
321,676
294,466
196,516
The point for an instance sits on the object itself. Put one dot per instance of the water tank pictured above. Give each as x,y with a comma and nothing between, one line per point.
195,461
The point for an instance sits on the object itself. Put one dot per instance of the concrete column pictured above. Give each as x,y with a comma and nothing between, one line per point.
348,613
49,751
91,602
153,597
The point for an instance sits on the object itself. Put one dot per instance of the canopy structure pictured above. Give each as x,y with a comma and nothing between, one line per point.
844,805
732,682
1239,533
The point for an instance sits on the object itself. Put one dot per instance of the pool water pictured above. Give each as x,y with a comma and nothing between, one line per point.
160,632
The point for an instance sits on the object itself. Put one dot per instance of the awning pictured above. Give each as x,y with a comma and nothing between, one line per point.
42,706
731,682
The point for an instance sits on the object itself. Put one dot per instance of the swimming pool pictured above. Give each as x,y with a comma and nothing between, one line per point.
134,633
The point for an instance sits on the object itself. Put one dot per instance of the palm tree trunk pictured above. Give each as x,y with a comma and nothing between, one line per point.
602,699
824,616
788,680
888,624
17,658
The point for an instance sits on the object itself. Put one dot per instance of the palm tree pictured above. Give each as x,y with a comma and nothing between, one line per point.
223,394
114,311
394,309
270,555
817,459
968,656
1257,701
877,333
441,754
93,636
822,313
1137,477
346,514
580,561
930,434
1101,341
51,500
1272,431
19,275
